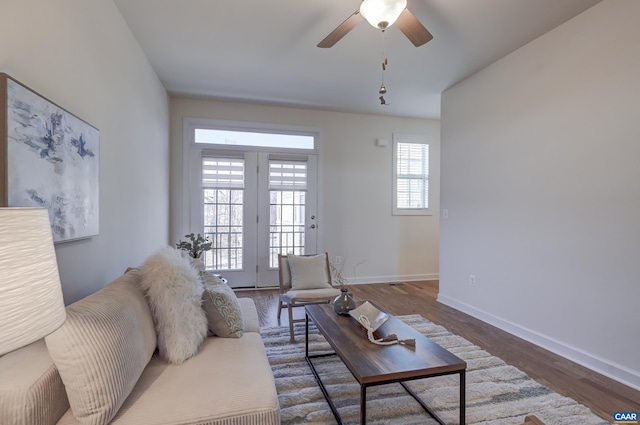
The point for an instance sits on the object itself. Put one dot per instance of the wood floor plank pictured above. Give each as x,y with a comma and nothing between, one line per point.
601,394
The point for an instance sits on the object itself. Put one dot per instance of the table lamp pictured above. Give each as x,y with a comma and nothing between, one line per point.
31,303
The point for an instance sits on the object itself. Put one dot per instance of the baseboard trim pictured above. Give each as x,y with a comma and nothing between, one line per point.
604,367
401,278
360,281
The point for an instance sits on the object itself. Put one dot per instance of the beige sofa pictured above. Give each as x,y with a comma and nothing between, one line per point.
112,373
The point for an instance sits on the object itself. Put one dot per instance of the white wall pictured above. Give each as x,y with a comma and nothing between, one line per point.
81,55
541,179
355,213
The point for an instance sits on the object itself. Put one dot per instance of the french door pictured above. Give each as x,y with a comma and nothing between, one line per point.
255,205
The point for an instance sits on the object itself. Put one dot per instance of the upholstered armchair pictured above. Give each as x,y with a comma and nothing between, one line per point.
304,280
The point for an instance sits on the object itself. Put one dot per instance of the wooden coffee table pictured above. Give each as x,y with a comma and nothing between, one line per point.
373,365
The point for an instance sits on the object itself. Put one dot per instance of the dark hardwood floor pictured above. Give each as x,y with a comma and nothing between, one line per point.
601,394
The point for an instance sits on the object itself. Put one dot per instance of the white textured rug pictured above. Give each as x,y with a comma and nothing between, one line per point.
496,392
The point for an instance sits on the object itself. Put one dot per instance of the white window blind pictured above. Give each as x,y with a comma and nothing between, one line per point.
411,175
287,175
222,173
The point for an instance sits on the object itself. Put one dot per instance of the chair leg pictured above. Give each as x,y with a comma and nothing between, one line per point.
293,338
279,310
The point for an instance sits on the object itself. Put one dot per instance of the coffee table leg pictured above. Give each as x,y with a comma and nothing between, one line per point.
306,335
363,405
463,403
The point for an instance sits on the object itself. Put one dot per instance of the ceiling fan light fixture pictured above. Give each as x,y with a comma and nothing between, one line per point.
382,13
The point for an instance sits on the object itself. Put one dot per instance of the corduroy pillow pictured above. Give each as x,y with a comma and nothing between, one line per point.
174,290
102,348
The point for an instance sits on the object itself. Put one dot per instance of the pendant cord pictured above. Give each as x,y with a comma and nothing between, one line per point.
383,89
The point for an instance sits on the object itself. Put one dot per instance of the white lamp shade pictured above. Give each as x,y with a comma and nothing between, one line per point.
31,303
382,13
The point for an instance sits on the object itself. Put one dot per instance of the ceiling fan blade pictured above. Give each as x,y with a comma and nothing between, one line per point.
413,29
342,30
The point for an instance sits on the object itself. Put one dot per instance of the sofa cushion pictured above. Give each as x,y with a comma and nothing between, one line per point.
102,348
309,272
311,295
221,307
229,382
31,390
173,288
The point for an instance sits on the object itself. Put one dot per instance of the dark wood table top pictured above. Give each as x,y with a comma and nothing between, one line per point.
373,364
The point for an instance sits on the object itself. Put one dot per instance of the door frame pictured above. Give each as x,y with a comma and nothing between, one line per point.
191,175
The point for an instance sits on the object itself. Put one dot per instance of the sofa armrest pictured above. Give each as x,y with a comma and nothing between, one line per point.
249,315
31,390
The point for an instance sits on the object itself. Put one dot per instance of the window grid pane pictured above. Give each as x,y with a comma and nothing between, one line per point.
223,226
286,224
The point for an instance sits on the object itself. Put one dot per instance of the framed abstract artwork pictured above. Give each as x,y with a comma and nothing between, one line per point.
48,158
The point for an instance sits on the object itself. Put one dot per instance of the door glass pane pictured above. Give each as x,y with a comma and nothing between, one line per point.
223,226
223,191
287,208
287,224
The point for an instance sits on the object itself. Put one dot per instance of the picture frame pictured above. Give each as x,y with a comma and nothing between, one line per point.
49,158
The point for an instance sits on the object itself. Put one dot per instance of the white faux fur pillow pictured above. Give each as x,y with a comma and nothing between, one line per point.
174,292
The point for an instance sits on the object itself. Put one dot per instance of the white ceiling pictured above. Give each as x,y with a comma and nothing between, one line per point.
265,51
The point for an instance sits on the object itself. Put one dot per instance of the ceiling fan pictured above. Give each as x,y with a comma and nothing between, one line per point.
382,14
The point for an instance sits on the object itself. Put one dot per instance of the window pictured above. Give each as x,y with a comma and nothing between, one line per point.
253,138
252,189
410,175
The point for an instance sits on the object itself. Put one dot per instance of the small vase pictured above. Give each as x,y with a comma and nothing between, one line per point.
343,303
198,263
